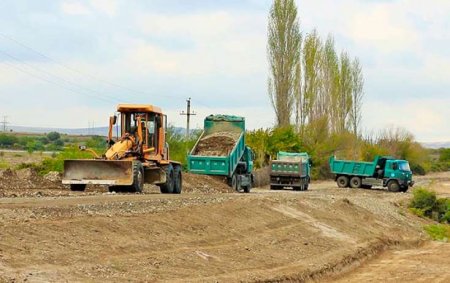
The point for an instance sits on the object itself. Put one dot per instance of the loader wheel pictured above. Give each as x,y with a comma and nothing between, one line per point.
138,178
167,187
178,182
342,181
78,187
393,186
355,182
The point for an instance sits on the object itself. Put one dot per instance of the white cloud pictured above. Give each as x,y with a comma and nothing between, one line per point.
426,118
219,43
74,8
108,7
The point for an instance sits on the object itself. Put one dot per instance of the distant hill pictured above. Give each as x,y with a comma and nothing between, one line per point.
436,145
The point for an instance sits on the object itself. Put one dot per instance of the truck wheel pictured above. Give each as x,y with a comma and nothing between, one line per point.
355,182
78,187
342,181
138,178
167,187
393,186
306,186
235,184
247,189
273,187
178,182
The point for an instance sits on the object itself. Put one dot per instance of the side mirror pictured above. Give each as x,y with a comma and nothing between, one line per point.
82,147
114,119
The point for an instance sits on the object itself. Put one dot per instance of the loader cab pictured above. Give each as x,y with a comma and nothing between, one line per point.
146,124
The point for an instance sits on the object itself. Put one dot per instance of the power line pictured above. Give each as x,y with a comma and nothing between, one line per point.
53,75
73,70
52,82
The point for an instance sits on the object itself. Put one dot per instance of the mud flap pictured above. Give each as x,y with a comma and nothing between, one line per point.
100,172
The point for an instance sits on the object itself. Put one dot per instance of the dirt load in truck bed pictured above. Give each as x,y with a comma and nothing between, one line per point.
217,144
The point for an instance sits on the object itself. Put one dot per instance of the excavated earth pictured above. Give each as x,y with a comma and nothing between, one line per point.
209,234
217,144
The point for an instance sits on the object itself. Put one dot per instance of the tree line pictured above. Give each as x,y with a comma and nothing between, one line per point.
310,83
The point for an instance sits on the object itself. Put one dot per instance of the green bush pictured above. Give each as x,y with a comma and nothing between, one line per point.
53,136
57,163
424,201
179,146
440,232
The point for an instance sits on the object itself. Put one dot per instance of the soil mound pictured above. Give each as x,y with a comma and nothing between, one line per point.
217,144
194,183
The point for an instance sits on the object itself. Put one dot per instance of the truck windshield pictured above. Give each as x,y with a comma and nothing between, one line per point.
404,166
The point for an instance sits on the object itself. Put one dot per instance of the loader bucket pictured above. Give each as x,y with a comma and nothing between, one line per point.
98,172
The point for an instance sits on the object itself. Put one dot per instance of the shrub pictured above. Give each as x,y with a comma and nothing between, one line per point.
57,163
424,201
440,232
53,136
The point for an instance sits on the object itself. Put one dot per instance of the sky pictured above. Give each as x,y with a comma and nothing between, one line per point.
68,63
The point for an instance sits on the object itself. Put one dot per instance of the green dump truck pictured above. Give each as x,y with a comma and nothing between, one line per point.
290,169
221,151
384,171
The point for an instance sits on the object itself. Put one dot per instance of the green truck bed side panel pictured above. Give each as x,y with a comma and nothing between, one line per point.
347,167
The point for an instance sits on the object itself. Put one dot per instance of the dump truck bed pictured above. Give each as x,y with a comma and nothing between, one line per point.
216,164
290,163
348,167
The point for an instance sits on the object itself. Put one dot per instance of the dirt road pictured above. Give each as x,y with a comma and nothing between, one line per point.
225,237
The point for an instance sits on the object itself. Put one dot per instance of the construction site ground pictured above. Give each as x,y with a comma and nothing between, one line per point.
211,234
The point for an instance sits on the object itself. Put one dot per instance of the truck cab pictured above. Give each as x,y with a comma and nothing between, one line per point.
399,170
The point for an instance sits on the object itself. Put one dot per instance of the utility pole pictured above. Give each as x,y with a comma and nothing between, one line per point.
5,122
188,114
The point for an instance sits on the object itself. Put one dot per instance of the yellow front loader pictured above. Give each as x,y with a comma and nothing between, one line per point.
139,154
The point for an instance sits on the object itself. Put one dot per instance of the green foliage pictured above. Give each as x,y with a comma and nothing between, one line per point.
425,203
444,155
283,139
179,146
4,165
96,142
57,163
7,140
258,141
440,232
423,200
53,136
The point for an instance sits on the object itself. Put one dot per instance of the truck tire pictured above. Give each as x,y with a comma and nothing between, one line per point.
78,187
247,188
167,187
393,186
273,187
342,181
178,182
235,184
138,178
355,182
